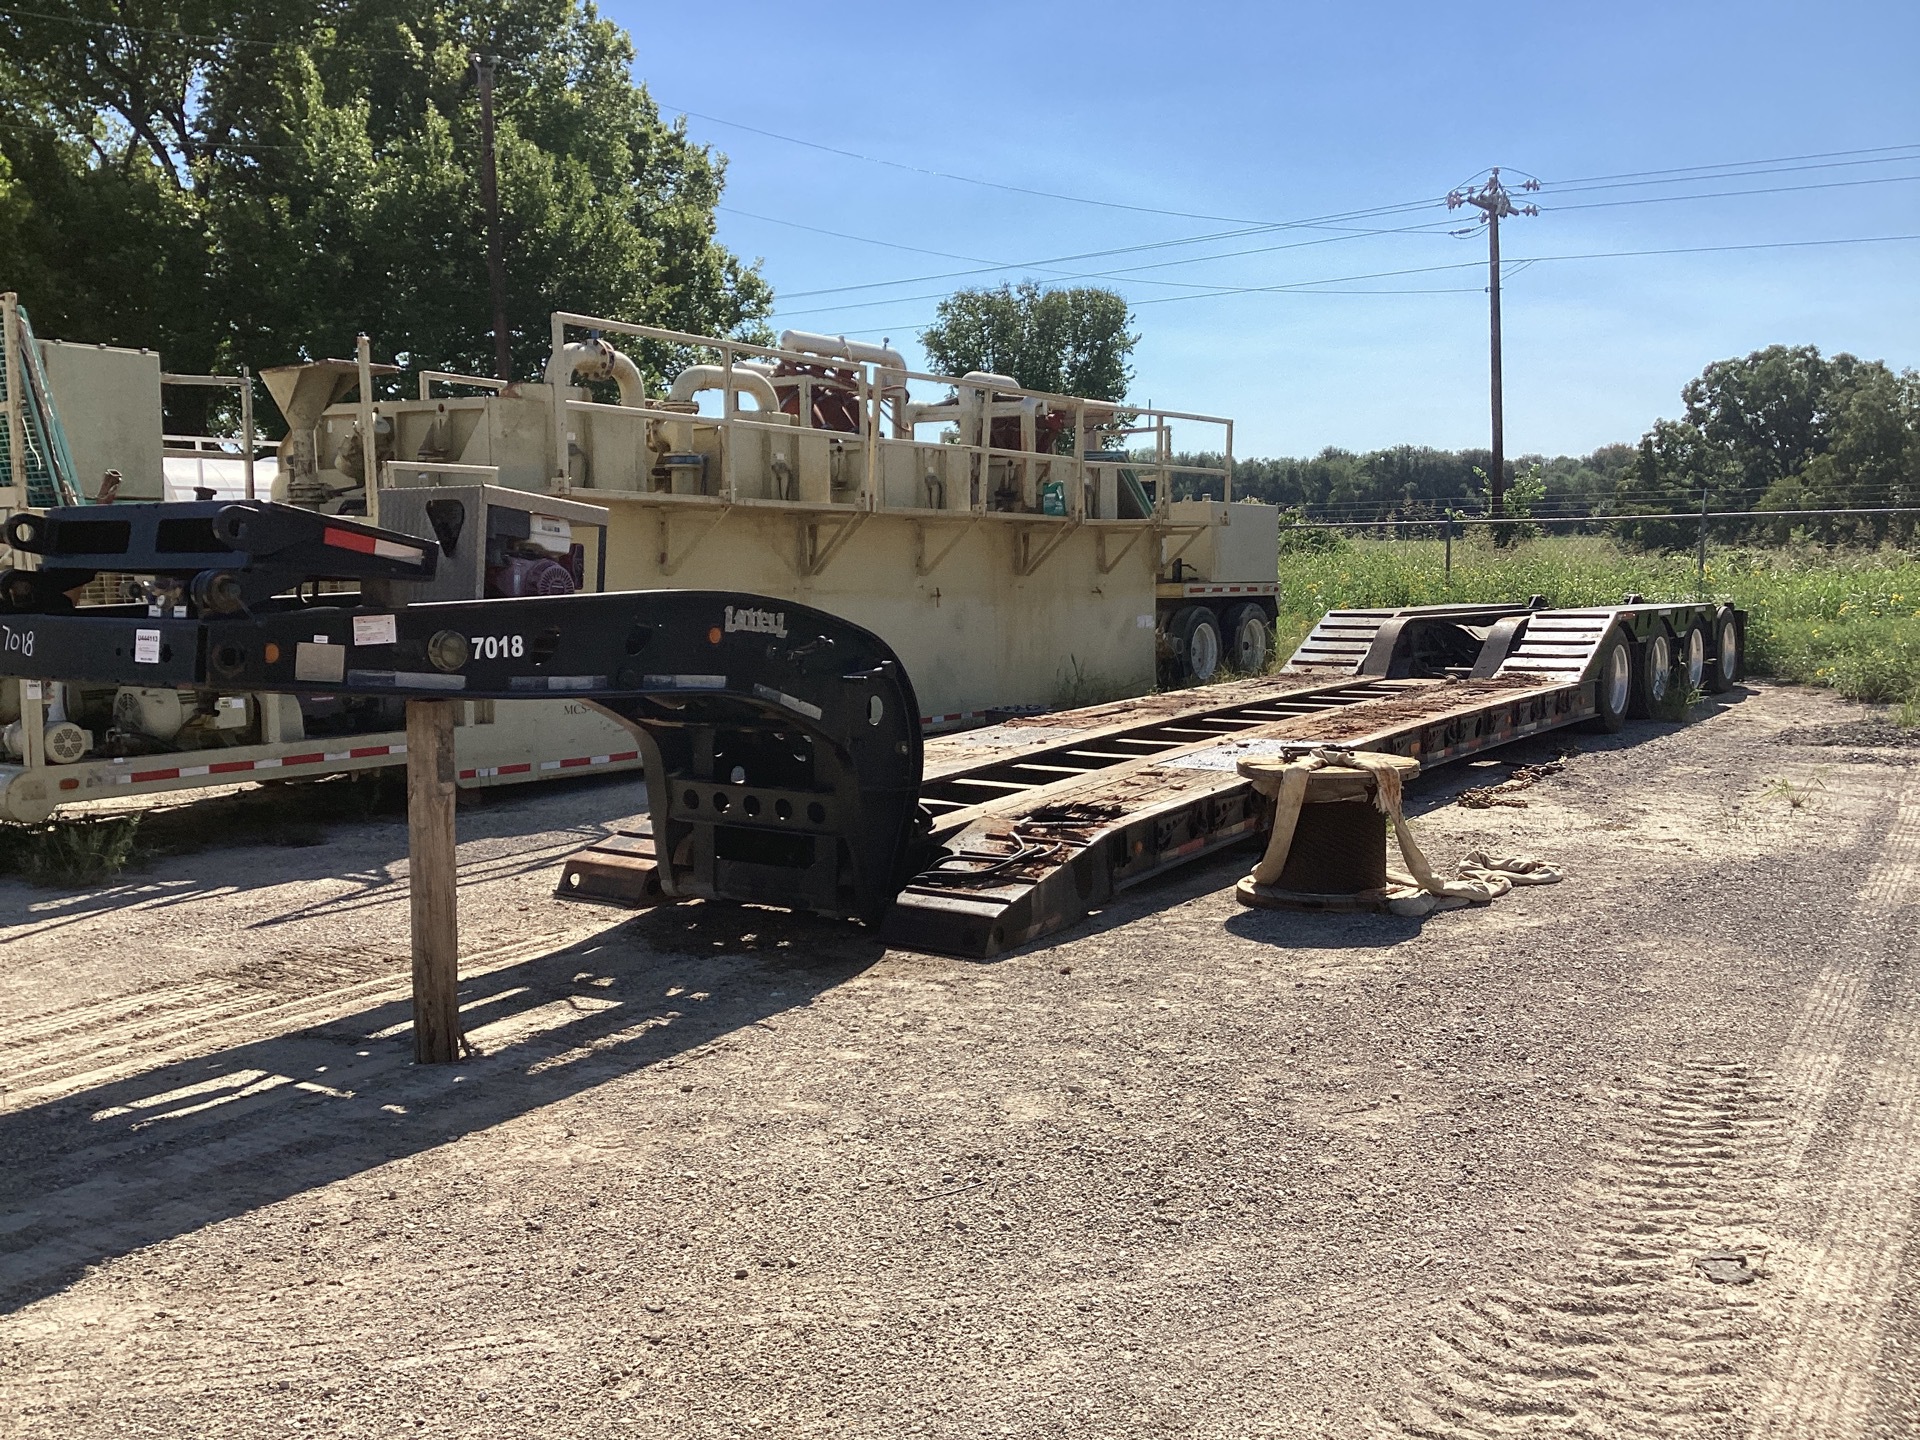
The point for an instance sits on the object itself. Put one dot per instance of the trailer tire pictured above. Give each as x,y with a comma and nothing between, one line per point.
1198,633
1613,685
1249,639
1725,666
1696,658
1652,675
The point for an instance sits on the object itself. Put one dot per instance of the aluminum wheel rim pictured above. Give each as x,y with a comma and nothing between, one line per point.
1729,641
1659,666
1696,657
1253,646
1619,679
1203,652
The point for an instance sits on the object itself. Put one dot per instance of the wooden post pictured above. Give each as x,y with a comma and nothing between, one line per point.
430,882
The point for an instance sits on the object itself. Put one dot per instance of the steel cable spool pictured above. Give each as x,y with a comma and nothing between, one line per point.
1336,857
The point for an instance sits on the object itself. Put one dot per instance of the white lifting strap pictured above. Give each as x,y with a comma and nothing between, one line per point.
1413,891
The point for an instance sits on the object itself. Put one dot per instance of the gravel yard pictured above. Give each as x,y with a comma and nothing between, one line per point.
1629,1155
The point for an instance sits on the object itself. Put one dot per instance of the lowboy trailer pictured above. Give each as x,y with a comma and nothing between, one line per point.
784,760
1036,822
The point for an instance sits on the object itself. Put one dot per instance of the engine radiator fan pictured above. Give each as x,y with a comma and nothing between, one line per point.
521,576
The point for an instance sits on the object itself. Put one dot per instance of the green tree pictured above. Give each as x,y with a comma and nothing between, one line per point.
255,183
1066,342
1784,428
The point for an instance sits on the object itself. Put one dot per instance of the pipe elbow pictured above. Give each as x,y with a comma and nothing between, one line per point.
598,360
695,378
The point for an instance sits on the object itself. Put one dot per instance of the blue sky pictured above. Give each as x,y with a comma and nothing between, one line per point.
1268,114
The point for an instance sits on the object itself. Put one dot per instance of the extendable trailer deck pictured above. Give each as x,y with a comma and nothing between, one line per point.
1042,819
784,760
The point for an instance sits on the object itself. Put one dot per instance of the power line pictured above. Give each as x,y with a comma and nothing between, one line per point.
1313,222
962,179
1724,194
1735,164
1566,187
1131,270
1304,287
1236,290
1043,265
1544,259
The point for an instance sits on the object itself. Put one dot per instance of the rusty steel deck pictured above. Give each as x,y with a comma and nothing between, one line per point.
1054,824
1041,819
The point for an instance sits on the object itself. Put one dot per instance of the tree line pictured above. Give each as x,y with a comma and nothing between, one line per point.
1781,429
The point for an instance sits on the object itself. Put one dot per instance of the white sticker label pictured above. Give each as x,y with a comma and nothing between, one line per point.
35,690
146,647
374,630
549,533
1143,622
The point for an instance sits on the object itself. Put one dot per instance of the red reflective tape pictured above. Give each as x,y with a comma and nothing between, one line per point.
369,750
313,759
513,769
141,777
348,539
469,774
575,763
227,767
624,755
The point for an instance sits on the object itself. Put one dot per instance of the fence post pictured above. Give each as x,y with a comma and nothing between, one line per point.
1447,530
1700,569
432,879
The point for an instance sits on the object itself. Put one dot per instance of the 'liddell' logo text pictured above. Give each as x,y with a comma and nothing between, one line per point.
760,622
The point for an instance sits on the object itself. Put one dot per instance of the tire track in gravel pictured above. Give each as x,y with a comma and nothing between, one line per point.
1856,1175
1625,1338
1809,1164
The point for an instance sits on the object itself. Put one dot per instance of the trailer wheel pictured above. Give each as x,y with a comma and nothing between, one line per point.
1200,646
1250,639
1693,657
1726,654
1652,676
1614,685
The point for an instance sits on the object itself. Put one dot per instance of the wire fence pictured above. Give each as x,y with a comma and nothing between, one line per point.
1704,520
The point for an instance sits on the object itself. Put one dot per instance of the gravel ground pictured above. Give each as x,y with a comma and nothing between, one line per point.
1630,1155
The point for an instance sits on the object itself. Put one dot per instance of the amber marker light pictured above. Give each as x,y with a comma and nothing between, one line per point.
713,636
272,652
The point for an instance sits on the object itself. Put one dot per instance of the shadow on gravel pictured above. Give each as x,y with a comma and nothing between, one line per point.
130,1163
327,830
1314,930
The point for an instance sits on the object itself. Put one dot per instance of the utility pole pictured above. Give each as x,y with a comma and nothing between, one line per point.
1495,203
490,202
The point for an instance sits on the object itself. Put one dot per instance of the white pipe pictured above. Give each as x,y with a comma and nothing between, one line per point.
598,360
695,378
838,347
990,379
892,364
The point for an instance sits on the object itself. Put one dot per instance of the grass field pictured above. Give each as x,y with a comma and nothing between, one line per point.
1846,620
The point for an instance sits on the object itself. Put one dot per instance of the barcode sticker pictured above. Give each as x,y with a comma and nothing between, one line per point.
146,647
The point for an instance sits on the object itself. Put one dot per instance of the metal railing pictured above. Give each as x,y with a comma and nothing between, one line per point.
882,400
450,377
243,382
